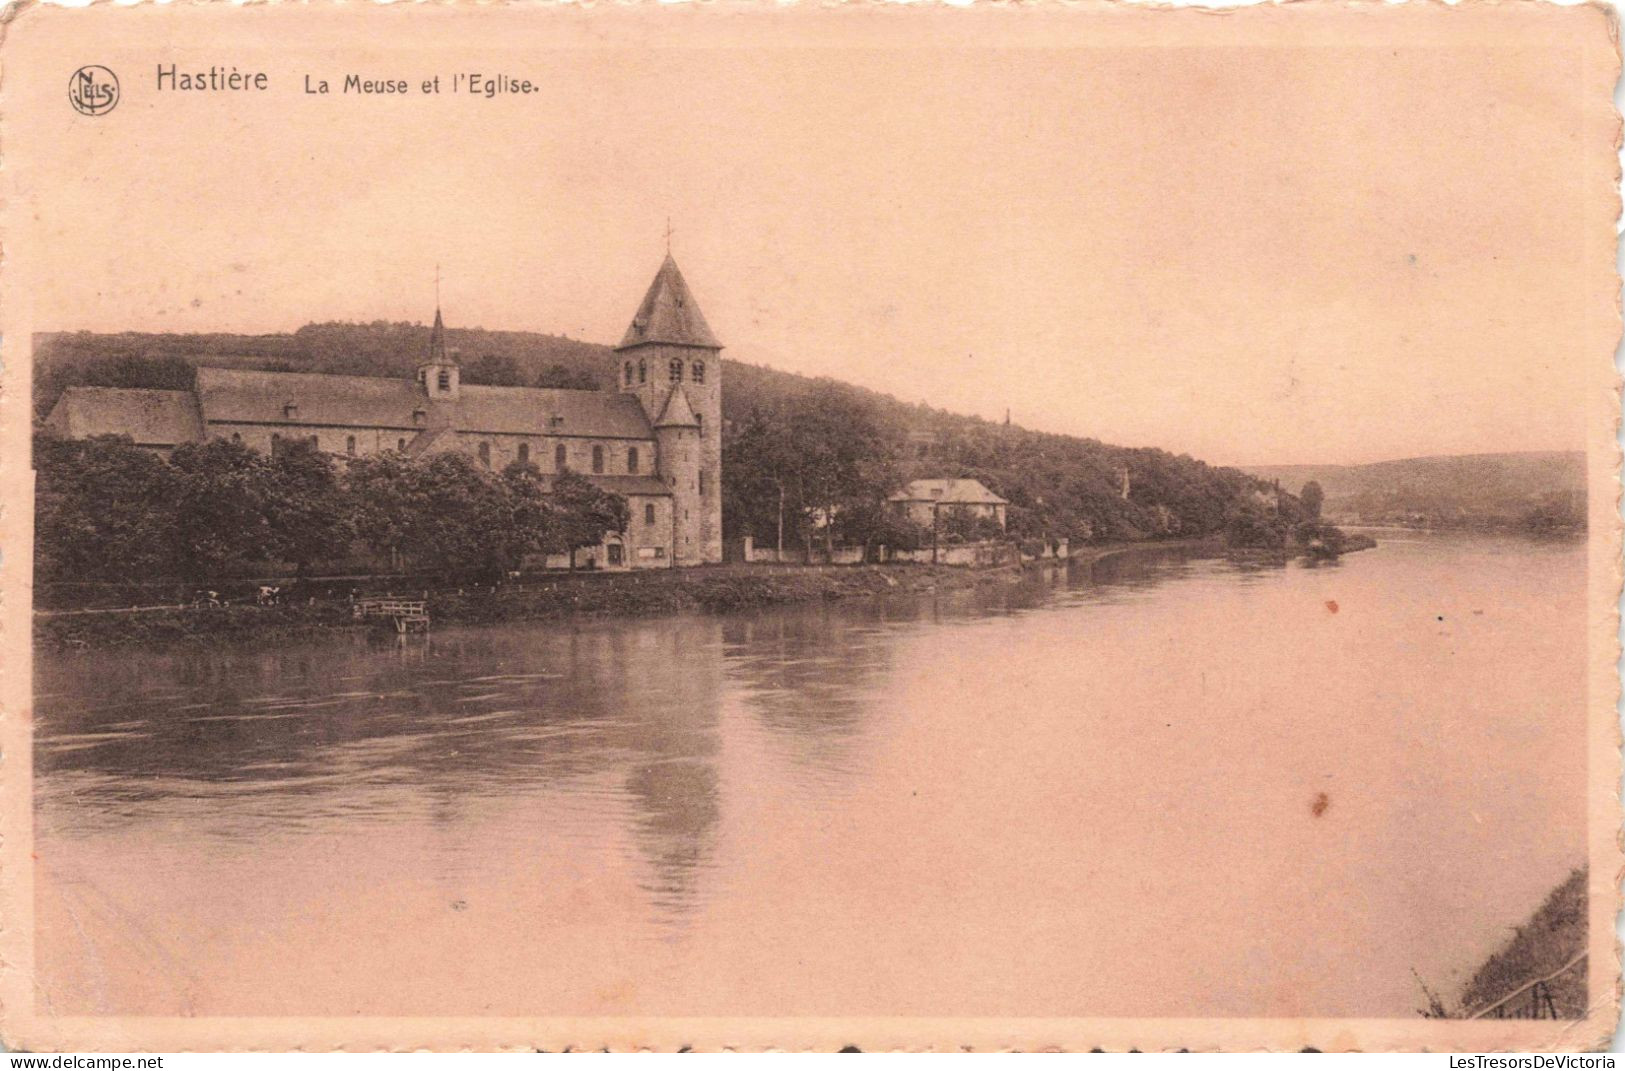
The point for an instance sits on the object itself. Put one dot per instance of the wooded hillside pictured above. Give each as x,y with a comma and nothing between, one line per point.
819,442
1540,489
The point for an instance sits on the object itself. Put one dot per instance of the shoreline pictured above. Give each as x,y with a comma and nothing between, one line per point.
704,589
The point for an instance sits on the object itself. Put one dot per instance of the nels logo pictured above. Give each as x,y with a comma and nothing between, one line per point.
93,90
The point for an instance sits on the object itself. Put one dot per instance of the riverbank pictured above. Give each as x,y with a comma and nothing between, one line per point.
706,589
1540,973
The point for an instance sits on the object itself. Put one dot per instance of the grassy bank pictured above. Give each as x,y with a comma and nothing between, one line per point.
1541,948
707,589
713,589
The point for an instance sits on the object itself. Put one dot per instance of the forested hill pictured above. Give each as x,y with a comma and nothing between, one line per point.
1469,490
824,443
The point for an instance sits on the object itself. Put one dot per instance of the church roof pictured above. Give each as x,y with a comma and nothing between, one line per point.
669,314
955,492
677,412
149,417
232,395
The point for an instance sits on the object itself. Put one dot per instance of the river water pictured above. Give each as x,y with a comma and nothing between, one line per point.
1090,795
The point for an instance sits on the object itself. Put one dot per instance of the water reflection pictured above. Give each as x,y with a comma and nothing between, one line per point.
681,790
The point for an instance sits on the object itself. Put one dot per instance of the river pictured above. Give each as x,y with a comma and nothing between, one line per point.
1164,785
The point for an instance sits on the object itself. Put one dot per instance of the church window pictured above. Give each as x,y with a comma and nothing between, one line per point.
485,454
236,436
643,370
445,379
628,373
632,459
676,369
598,459
697,373
558,458
349,445
524,453
400,444
648,513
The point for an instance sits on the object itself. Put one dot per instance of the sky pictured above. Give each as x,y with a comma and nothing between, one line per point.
1316,254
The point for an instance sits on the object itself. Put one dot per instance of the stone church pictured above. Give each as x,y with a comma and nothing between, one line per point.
656,439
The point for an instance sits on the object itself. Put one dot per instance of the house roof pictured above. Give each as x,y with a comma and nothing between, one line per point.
230,395
677,412
959,492
669,314
149,417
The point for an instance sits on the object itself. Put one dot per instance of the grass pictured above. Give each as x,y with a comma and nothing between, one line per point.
1552,937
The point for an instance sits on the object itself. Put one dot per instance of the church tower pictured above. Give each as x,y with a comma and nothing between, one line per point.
439,374
672,362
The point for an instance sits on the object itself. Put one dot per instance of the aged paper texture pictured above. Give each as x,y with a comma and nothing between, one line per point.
1043,526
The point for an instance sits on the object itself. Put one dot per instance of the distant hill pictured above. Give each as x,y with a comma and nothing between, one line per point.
1057,485
1473,490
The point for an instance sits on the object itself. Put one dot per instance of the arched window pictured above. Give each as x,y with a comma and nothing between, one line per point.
445,379
676,369
349,445
400,444
524,453
485,454
697,372
236,436
631,459
598,459
628,371
699,418
643,370
558,458
648,513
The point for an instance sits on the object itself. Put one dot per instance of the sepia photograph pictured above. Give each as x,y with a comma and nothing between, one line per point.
1013,526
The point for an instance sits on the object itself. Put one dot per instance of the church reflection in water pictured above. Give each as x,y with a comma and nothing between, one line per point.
625,717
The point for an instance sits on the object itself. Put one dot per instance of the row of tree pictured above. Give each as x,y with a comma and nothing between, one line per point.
106,509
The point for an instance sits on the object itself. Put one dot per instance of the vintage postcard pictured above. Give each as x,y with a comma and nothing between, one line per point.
1001,526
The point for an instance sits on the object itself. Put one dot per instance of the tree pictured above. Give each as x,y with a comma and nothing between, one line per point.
104,509
308,512
583,513
795,469
872,524
220,507
560,376
955,524
1250,525
384,491
494,370
530,523
460,524
1312,498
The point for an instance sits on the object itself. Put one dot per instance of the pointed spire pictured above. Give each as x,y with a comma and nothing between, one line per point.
437,339
669,314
